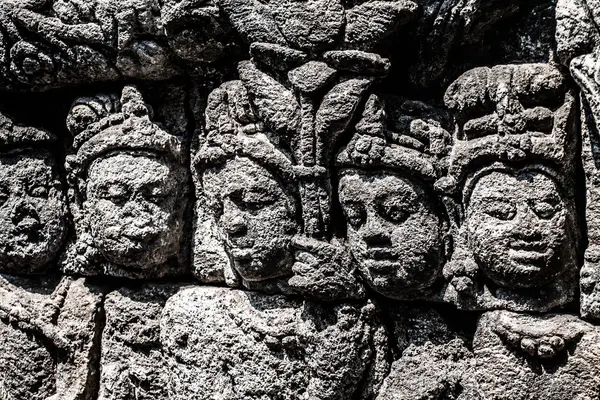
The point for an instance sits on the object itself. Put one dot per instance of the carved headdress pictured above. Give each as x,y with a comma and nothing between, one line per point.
510,114
103,124
402,135
233,129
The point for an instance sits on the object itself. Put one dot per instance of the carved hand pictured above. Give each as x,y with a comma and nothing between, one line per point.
323,270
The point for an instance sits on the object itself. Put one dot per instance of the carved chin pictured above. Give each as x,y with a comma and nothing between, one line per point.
135,254
34,254
394,279
31,249
262,264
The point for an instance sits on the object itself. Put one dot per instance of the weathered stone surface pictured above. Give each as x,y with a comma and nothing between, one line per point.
395,223
520,356
431,361
132,364
299,199
511,171
128,191
55,43
49,338
231,344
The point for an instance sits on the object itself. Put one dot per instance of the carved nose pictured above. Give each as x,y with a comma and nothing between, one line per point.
135,208
526,227
236,225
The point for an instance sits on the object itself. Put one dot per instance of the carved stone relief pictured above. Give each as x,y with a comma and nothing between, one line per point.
128,187
49,324
396,226
511,173
520,356
299,200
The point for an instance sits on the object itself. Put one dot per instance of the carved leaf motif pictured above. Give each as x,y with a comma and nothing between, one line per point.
276,105
336,112
370,22
310,24
252,20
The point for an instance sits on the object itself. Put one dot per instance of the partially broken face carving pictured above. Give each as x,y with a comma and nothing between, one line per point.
32,212
257,216
134,208
394,231
516,225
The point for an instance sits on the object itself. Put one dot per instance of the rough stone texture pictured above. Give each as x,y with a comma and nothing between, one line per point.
231,344
431,360
525,357
299,199
395,227
511,170
128,188
131,364
50,338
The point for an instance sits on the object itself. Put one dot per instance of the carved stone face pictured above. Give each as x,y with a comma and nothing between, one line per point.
257,217
393,231
32,212
135,208
516,224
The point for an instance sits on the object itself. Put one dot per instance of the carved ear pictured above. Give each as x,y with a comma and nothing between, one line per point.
276,105
336,112
368,23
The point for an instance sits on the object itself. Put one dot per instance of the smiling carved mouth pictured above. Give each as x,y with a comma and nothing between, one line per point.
528,251
242,253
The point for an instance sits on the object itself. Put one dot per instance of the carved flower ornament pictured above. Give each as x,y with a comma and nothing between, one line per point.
287,33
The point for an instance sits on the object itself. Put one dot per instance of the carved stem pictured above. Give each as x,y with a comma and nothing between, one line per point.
313,191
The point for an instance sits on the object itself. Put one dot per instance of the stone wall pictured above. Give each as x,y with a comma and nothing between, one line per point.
299,199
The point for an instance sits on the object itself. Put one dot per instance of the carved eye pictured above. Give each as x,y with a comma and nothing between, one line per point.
396,213
114,193
254,205
354,214
40,191
252,201
155,196
501,210
544,209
